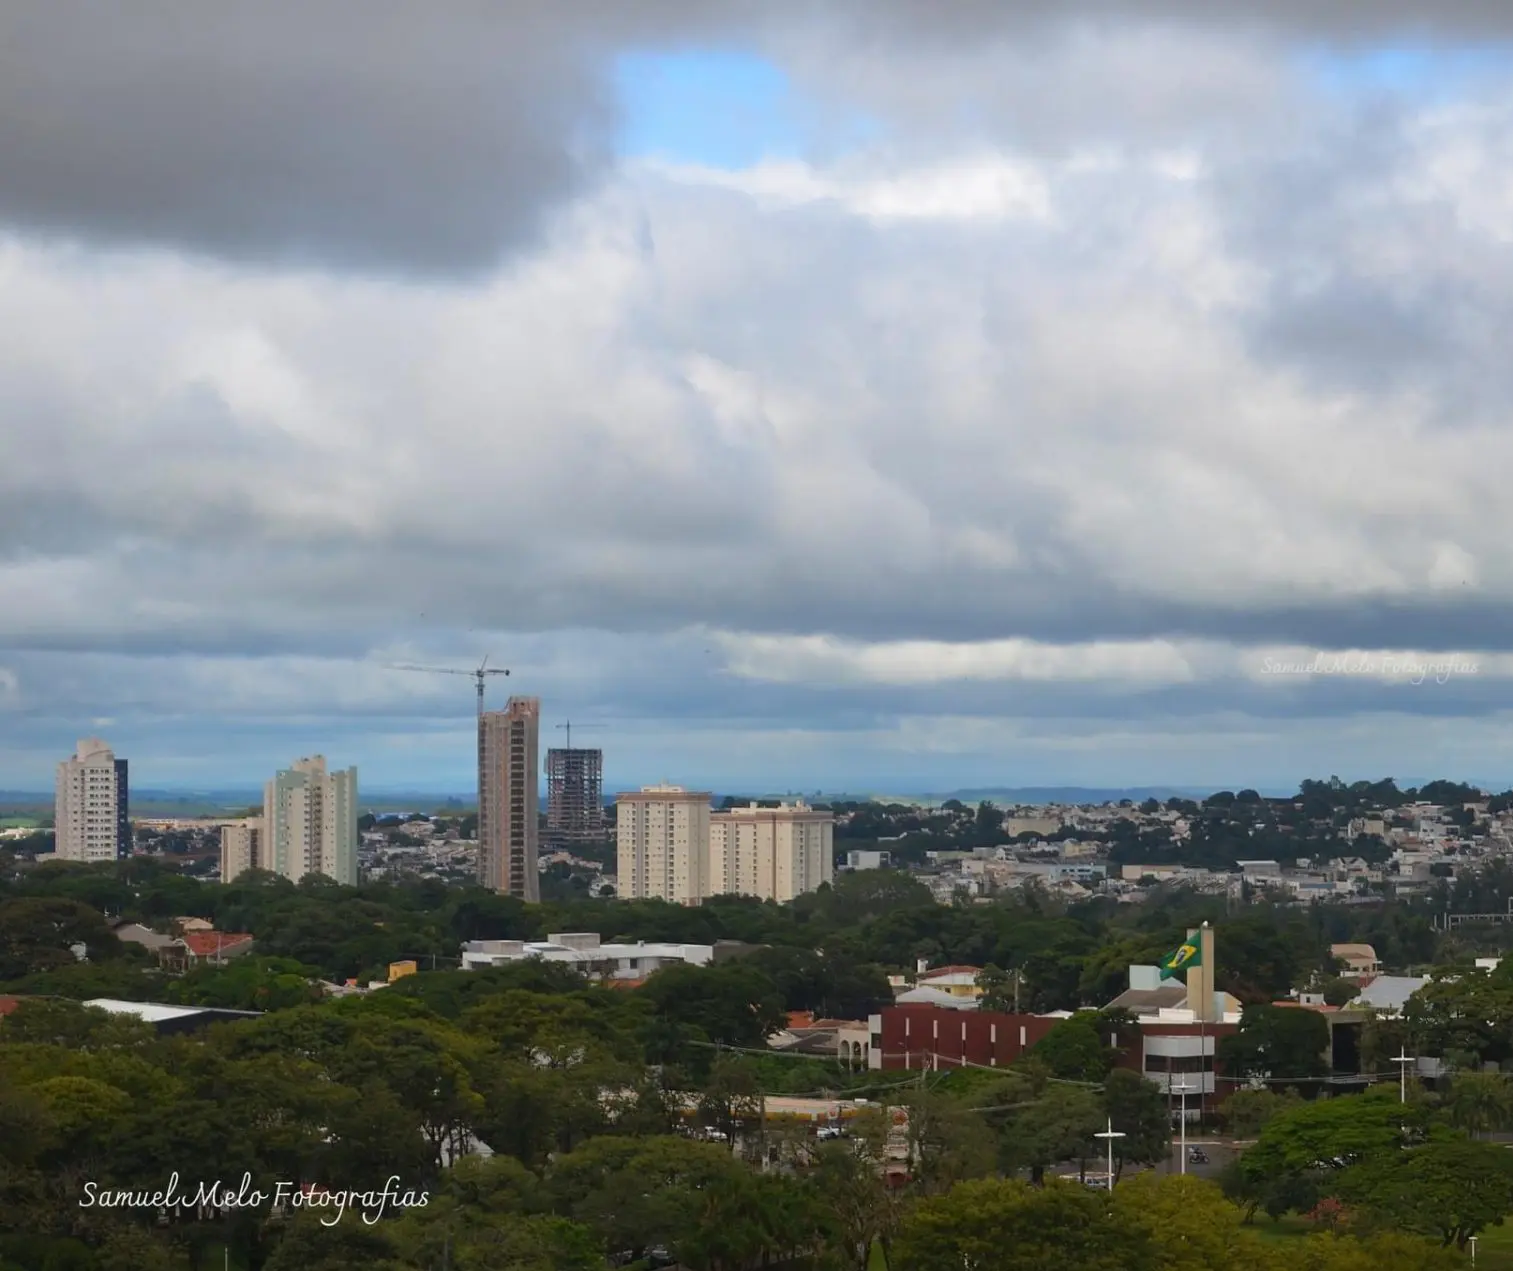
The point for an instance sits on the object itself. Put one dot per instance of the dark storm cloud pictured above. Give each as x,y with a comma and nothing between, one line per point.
370,133
390,135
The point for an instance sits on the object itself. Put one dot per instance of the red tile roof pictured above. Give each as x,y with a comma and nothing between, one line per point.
206,944
8,1004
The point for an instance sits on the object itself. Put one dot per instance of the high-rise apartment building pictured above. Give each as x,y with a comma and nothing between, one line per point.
242,848
662,842
90,805
775,853
310,822
509,798
574,796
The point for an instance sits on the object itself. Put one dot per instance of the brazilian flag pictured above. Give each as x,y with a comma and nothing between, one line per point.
1184,957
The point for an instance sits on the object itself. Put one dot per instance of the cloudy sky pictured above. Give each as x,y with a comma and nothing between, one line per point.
890,396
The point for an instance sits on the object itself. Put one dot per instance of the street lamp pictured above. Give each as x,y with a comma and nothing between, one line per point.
1182,1150
1110,1134
1402,1061
1472,1241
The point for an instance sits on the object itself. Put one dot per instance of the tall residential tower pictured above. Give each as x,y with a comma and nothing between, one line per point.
90,805
309,823
775,853
509,798
662,841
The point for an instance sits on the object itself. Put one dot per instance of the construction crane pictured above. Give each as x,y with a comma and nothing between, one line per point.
569,727
484,670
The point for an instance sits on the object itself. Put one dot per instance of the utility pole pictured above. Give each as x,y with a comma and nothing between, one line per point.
1402,1061
1182,1149
1109,1135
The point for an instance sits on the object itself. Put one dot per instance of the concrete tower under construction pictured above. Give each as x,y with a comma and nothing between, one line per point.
574,796
508,798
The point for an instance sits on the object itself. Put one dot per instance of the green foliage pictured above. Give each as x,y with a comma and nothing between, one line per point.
1281,1043
1005,1225
1077,1049
1138,1110
37,933
1247,1112
731,1003
1479,1102
1451,1190
1340,991
1332,1134
1056,1126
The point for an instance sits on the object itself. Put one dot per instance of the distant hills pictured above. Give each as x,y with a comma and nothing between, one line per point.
1008,795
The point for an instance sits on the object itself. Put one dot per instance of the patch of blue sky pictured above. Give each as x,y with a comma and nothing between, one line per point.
1425,72
722,108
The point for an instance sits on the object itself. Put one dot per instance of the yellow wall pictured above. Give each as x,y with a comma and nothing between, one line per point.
398,970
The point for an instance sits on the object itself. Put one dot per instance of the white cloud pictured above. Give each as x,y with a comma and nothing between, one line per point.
986,187
826,660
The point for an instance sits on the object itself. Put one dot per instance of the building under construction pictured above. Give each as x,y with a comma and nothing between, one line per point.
574,796
507,798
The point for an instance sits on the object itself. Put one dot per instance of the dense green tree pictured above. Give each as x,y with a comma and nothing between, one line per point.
1279,1043
1332,1134
1451,1190
1479,1102
1139,1111
1005,1225
1077,1049
1057,1126
1247,1112
728,1002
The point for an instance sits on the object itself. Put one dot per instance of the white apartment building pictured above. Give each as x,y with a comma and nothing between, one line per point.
662,844
90,805
242,848
310,822
775,853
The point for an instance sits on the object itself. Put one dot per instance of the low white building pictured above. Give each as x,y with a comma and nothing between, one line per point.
868,858
585,952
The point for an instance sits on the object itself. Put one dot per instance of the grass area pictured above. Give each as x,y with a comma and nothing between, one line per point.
1288,1228
1494,1247
19,821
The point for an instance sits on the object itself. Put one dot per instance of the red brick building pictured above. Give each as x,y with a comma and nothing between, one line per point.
924,1036
1167,1052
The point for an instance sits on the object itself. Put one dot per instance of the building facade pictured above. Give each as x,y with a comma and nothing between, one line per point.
574,796
509,798
90,805
1170,1049
586,952
242,848
662,844
310,822
775,853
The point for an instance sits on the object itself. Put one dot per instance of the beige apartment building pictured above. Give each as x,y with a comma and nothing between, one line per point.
508,798
775,853
89,806
309,823
242,848
662,842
